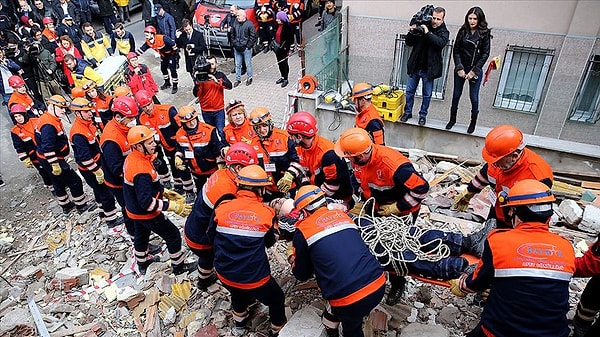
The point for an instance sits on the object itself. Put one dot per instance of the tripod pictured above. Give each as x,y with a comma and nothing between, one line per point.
207,37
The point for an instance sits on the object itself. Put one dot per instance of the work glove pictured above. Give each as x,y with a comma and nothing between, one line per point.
284,184
179,164
461,201
387,210
289,254
99,176
246,140
224,151
485,294
357,208
179,208
455,288
27,162
173,196
221,165
56,170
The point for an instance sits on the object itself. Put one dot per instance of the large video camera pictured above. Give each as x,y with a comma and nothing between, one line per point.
422,17
201,69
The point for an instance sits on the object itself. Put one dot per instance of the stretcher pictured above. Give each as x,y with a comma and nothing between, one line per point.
472,259
112,70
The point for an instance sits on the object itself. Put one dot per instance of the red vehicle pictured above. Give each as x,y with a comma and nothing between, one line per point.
210,13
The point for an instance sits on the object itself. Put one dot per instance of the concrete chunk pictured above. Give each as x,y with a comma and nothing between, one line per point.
571,212
590,221
306,322
73,273
422,330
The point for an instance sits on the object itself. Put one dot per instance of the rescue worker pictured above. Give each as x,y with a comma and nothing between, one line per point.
95,45
507,162
121,91
295,11
167,49
322,166
328,244
238,128
220,183
52,149
84,137
23,140
138,77
162,119
265,17
77,92
387,176
588,265
101,102
527,267
50,38
199,147
20,96
146,200
367,117
81,71
241,229
276,153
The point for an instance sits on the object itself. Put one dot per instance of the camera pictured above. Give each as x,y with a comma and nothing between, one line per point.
201,69
422,17
35,48
206,18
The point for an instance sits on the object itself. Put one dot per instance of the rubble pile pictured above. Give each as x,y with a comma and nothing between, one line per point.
72,276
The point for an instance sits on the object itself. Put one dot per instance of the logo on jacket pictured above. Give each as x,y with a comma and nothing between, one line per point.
539,251
248,218
380,175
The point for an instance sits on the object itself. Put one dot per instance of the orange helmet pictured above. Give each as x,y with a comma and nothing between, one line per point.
526,192
58,100
302,123
241,153
502,141
309,197
187,113
77,92
81,104
260,115
138,134
253,175
353,142
122,91
89,85
362,90
233,104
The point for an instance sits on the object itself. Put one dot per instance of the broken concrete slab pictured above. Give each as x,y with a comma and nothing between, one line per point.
590,221
571,212
305,322
423,330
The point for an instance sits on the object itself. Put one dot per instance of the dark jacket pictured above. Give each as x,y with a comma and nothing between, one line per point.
192,48
39,14
71,9
471,51
243,36
72,31
166,25
105,8
146,10
179,9
286,39
432,43
45,61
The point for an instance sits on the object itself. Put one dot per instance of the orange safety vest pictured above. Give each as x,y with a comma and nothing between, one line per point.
200,139
365,117
243,133
157,121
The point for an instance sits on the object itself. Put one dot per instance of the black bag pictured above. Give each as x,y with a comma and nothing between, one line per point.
276,47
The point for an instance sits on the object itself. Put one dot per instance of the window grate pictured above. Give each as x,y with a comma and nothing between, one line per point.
587,102
523,77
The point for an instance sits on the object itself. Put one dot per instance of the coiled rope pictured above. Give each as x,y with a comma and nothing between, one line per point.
392,236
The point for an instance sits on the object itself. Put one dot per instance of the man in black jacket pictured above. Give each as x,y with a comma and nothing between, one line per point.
243,38
425,61
64,8
193,45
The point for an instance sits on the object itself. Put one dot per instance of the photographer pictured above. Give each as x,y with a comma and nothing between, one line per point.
20,55
46,66
192,43
428,36
209,87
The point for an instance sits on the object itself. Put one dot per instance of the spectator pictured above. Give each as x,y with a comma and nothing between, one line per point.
226,26
41,9
284,38
138,77
211,96
320,18
45,68
65,48
471,51
193,45
8,68
27,64
122,40
24,10
123,10
81,71
85,13
68,28
95,45
49,36
243,37
329,15
8,19
425,61
165,23
265,15
179,9
167,49
147,12
107,13
64,8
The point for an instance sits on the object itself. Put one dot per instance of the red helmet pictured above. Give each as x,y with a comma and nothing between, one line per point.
47,20
502,141
125,106
150,29
18,109
131,55
15,81
241,153
143,97
302,123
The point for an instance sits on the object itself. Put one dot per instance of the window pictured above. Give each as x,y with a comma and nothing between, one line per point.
587,101
522,79
399,75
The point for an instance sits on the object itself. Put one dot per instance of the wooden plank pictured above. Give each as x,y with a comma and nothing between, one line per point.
75,330
590,185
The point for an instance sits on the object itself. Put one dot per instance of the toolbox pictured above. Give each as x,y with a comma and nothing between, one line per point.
391,115
389,101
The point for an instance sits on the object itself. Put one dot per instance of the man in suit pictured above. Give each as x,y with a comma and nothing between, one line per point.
193,44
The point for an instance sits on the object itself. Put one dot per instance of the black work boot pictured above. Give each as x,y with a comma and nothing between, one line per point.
181,268
473,122
474,242
143,266
397,289
332,332
452,120
174,90
87,207
580,327
166,85
204,283
67,208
